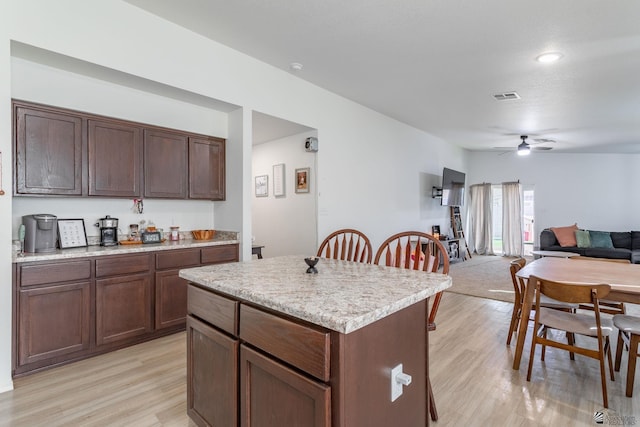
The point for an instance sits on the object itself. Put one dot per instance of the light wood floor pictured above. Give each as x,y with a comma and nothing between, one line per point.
472,378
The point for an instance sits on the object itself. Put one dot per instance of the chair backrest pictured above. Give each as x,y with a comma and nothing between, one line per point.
347,244
570,292
518,283
587,258
417,251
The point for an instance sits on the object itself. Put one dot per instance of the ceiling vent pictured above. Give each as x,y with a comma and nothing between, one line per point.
506,96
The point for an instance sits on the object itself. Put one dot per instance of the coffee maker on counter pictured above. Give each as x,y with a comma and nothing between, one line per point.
108,231
40,233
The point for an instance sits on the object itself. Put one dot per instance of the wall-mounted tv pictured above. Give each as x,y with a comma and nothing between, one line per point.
452,187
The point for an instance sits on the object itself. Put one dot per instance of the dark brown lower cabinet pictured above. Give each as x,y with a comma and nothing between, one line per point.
123,308
71,309
55,321
171,299
212,366
274,395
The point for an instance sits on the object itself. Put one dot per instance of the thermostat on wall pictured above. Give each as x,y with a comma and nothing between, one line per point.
311,144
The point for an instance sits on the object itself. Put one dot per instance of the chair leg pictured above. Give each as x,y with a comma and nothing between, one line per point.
633,356
607,346
432,404
514,324
603,378
619,348
571,339
544,347
533,351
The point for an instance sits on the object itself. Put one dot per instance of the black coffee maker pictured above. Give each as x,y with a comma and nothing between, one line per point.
108,231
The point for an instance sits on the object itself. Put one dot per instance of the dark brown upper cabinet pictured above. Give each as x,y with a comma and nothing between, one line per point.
206,168
165,164
115,159
48,152
63,152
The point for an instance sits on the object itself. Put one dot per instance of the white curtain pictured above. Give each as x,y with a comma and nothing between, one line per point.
512,244
480,219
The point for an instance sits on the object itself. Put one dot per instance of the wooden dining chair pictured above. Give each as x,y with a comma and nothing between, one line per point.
606,306
519,286
417,251
347,244
572,323
629,335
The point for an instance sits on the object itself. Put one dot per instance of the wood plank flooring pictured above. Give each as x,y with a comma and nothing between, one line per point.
471,373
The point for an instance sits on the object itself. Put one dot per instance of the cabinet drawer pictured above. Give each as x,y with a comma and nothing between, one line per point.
301,346
65,271
217,254
178,258
212,308
128,264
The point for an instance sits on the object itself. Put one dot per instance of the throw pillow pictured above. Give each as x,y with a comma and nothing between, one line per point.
600,239
566,235
583,239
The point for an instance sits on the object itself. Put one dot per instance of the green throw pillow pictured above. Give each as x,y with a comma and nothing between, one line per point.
600,239
583,239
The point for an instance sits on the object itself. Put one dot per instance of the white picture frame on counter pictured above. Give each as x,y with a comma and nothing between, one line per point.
71,233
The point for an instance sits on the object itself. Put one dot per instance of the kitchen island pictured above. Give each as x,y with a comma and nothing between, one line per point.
268,342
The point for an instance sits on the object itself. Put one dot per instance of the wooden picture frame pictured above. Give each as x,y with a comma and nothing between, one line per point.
302,180
71,233
262,185
278,180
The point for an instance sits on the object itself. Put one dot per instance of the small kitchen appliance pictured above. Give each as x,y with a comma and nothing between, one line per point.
108,231
40,232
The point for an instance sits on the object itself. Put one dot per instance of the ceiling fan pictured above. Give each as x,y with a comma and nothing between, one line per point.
524,148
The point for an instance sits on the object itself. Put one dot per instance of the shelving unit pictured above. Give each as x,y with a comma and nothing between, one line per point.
456,226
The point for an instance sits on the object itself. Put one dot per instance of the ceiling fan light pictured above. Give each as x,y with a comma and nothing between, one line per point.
549,57
524,149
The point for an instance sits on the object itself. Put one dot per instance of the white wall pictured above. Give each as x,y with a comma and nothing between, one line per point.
285,225
374,172
5,204
48,85
598,191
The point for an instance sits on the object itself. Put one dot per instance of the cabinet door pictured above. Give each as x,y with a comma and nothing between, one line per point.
123,308
115,159
171,299
48,152
212,376
53,321
206,168
274,395
165,164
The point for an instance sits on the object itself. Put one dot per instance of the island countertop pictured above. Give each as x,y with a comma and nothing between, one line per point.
343,296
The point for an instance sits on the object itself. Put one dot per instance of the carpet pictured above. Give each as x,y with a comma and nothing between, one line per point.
483,276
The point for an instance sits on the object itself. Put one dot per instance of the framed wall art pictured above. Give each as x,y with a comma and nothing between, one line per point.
278,180
262,185
302,180
71,233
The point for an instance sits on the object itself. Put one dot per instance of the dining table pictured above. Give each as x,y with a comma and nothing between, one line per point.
623,278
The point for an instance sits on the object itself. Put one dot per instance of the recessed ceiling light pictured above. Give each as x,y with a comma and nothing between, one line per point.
295,66
549,57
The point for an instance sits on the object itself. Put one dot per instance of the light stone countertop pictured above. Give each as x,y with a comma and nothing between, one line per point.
221,238
344,296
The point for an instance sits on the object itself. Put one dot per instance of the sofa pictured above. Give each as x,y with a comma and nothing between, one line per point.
625,245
